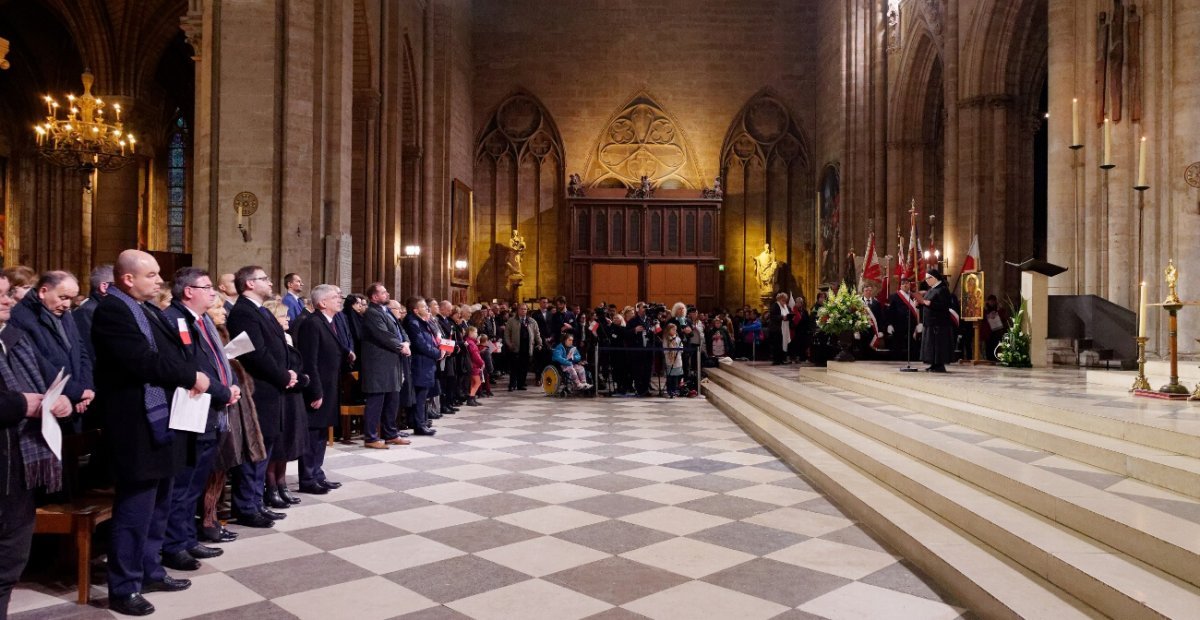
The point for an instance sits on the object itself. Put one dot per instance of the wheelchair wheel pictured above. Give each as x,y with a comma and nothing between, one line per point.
551,381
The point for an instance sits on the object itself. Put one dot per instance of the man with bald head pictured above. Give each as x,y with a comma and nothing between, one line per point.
228,290
45,315
140,361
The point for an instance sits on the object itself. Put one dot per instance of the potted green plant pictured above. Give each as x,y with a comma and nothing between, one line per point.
843,315
1013,350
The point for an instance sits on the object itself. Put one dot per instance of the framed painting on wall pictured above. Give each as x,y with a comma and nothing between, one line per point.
829,213
461,214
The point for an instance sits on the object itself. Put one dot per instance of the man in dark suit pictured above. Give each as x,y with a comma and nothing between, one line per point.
21,448
268,364
777,323
140,361
425,356
561,321
228,291
293,285
381,376
192,294
640,332
44,315
100,280
323,358
903,317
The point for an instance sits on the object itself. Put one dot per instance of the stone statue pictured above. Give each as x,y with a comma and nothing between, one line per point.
512,262
643,190
575,186
1172,276
766,269
717,191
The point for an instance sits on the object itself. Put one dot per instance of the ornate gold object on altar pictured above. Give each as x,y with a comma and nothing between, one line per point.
1140,382
1172,276
81,138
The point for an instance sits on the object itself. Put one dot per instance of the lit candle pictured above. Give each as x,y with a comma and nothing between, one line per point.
1142,311
1141,182
49,106
1107,143
239,217
1075,122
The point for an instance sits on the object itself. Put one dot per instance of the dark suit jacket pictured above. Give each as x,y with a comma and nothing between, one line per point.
219,392
380,361
83,320
268,363
425,352
775,319
323,356
124,364
35,320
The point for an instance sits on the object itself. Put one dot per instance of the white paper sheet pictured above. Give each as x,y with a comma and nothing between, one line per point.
189,413
51,431
239,346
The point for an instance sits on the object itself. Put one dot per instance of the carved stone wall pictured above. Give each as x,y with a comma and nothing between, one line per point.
519,186
769,198
642,139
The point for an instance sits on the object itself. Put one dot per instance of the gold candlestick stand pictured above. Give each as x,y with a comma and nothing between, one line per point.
1140,382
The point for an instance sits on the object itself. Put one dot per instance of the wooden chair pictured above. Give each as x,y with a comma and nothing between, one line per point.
350,408
81,514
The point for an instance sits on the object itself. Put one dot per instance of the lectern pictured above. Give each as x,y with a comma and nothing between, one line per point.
1034,289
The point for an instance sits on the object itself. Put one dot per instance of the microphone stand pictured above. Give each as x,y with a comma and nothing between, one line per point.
908,348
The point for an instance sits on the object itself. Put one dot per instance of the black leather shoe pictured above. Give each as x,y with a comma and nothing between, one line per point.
131,605
168,584
180,560
313,489
256,520
432,416
430,431
331,485
216,535
271,499
200,552
272,515
287,496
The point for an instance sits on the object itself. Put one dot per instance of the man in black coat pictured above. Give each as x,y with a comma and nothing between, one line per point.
937,334
268,364
381,376
777,323
44,315
100,280
323,356
21,447
192,294
140,361
426,354
903,316
640,332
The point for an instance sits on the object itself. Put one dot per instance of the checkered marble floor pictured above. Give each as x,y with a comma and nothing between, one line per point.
1053,386
530,508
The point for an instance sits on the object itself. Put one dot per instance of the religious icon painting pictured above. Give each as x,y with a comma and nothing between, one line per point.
972,297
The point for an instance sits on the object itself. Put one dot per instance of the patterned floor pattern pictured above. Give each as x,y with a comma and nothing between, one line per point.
530,508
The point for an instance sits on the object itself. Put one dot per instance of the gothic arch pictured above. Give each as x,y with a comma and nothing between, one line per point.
916,141
519,171
767,167
642,138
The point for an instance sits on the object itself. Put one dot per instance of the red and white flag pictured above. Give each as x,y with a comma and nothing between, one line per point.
872,270
971,262
916,266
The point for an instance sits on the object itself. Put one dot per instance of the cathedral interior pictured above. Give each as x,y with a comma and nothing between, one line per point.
713,152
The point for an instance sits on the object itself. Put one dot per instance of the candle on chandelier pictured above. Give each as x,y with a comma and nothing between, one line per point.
1075,135
117,107
1141,178
49,106
1107,143
1142,311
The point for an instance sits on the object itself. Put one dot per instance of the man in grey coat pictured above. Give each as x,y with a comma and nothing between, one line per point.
381,375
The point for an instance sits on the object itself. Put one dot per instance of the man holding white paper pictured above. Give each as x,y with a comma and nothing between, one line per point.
26,462
140,360
191,295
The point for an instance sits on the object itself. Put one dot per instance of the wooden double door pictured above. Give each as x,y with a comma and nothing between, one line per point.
624,284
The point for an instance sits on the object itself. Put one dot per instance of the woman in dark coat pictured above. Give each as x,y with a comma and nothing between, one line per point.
937,328
292,443
353,309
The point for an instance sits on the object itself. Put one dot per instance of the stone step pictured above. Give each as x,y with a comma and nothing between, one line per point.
983,579
1162,468
1116,559
1179,436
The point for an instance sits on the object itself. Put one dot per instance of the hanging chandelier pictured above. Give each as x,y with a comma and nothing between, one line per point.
81,138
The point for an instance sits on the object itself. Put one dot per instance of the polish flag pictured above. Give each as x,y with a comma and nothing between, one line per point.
872,270
971,263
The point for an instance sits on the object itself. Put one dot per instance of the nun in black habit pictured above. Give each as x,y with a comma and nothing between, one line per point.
937,333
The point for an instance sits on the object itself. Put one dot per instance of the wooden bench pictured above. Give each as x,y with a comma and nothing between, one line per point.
78,519
346,412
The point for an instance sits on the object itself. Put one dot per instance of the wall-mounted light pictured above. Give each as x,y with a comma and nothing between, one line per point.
926,254
460,264
721,267
412,251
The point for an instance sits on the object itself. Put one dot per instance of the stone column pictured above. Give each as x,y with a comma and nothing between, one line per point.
1183,84
1062,234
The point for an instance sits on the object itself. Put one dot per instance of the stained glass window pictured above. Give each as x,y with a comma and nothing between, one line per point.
177,186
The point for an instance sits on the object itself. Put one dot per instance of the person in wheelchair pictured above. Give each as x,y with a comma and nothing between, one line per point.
568,359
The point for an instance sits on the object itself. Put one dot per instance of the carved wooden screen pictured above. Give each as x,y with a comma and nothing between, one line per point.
769,198
518,186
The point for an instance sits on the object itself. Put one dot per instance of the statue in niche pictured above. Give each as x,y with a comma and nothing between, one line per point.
512,262
717,191
766,269
575,186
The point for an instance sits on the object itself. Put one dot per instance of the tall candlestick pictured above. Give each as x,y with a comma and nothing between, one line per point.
1142,310
1075,134
1141,178
1107,143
